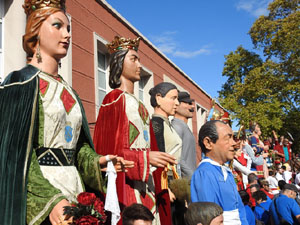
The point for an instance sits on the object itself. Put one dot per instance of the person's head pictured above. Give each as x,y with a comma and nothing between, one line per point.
238,152
124,61
164,99
244,196
186,107
271,173
290,190
137,214
255,129
216,141
265,185
281,184
252,179
47,31
259,196
254,188
283,168
279,170
204,213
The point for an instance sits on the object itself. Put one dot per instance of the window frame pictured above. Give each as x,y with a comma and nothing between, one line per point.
2,41
100,46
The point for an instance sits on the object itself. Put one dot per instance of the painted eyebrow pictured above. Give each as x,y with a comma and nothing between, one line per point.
61,20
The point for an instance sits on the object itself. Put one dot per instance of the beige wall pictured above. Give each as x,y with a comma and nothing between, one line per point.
14,23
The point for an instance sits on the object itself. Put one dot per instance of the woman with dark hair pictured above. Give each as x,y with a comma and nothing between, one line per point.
124,128
164,100
46,151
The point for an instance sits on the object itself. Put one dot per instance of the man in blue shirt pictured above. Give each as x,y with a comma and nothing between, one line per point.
212,181
285,207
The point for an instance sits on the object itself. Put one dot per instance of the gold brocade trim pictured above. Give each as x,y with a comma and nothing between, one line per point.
53,154
20,83
145,164
103,105
45,208
29,142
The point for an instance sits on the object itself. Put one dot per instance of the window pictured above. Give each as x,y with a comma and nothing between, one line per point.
101,71
142,84
101,75
65,69
1,39
142,88
201,116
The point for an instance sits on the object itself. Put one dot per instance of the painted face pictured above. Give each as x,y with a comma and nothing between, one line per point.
257,130
223,149
217,220
54,36
186,109
131,66
142,222
169,103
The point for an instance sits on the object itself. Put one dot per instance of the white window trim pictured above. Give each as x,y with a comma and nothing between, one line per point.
2,39
198,117
66,63
98,38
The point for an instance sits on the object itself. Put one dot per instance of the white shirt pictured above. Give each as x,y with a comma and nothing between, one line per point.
279,176
273,184
287,175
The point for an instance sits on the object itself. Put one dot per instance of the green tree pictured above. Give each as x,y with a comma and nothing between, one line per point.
267,89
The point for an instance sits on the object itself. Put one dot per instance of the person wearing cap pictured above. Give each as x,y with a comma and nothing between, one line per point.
284,207
184,111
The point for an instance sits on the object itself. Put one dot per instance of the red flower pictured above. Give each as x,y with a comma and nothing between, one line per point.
86,198
99,207
87,220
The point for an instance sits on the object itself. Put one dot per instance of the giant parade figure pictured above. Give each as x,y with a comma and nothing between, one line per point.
46,152
124,128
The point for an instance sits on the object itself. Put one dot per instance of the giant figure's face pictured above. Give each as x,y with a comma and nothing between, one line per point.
169,103
223,149
186,109
131,67
54,36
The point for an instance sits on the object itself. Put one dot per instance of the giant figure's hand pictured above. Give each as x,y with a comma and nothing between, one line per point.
119,162
161,159
56,216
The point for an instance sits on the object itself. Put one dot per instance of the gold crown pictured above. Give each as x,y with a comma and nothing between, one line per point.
121,43
32,5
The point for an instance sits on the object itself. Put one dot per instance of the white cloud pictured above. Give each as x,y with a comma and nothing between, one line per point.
191,54
254,7
166,43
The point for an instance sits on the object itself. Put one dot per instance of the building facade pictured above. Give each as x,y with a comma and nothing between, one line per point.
94,23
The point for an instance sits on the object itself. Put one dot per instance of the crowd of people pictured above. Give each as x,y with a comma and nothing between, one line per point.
48,156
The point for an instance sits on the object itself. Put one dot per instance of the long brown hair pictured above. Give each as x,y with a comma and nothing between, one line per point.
34,23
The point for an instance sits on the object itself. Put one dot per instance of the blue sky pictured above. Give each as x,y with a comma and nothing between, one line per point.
195,34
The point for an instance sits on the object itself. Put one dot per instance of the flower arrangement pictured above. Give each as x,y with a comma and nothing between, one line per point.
88,211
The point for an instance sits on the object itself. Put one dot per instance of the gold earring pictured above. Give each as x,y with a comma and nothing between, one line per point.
38,51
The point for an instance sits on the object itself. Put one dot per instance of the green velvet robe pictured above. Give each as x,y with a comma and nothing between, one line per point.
24,193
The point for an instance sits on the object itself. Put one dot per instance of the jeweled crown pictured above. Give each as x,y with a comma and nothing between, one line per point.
32,5
121,43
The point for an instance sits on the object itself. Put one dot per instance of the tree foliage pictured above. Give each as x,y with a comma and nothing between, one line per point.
267,89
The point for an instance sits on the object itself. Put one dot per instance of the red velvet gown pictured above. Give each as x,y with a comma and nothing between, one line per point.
116,134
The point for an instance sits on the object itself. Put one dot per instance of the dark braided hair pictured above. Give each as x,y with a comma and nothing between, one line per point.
116,68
